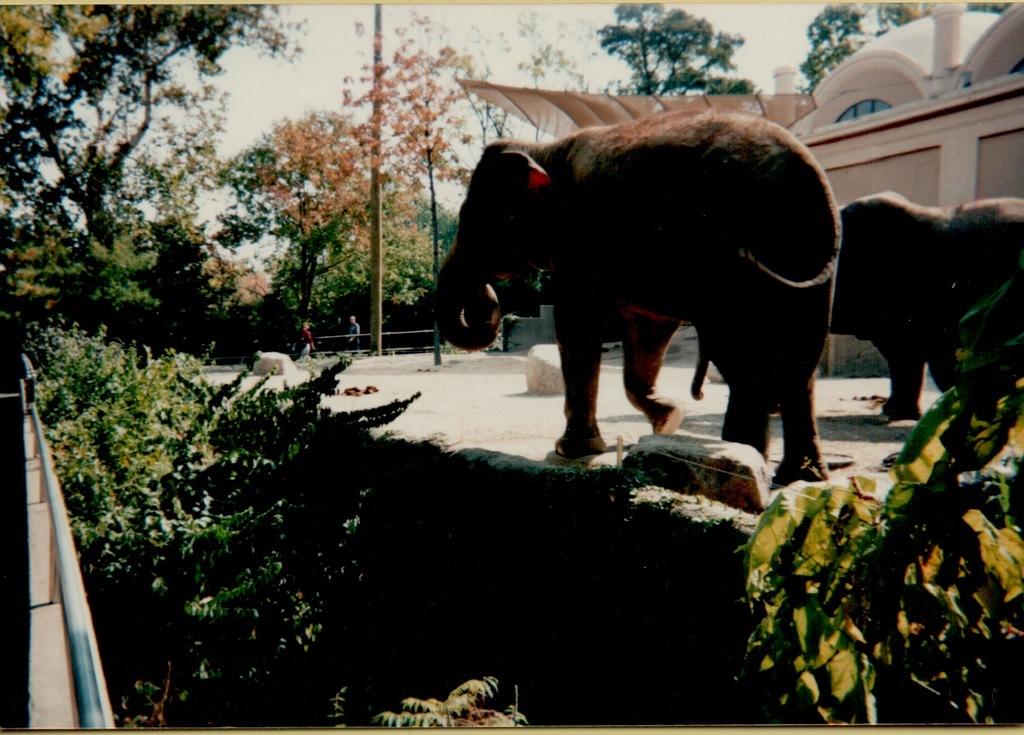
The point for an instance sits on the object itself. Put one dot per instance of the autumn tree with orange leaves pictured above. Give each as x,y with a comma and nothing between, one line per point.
305,188
411,139
302,188
301,192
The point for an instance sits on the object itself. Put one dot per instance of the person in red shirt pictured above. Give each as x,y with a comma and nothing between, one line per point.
306,336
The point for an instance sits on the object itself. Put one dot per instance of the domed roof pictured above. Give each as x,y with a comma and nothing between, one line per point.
916,39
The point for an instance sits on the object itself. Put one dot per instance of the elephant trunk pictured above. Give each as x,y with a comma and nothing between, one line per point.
468,315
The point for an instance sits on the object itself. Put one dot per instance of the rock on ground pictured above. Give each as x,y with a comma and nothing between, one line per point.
275,363
733,474
544,371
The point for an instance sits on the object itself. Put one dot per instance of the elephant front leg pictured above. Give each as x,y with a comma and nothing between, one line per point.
646,340
579,345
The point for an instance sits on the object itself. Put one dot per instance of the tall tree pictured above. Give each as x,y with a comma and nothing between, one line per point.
301,192
672,52
494,121
548,60
84,95
414,117
304,185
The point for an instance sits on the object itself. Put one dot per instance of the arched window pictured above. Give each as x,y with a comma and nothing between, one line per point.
862,108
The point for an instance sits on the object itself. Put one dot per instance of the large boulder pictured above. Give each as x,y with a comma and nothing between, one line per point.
731,473
544,371
275,363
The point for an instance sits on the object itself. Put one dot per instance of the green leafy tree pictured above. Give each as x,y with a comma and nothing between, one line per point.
672,52
909,608
92,99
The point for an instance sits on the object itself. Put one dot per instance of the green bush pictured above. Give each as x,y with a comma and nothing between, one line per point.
911,609
199,518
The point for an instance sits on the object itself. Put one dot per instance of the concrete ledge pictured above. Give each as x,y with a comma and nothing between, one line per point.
51,695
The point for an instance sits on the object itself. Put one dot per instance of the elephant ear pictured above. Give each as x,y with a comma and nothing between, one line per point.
524,172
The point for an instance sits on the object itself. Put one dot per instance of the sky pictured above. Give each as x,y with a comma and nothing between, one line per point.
264,91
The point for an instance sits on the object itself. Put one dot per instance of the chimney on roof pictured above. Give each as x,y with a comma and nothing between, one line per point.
946,45
785,79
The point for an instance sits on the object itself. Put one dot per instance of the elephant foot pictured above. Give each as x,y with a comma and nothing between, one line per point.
574,447
666,422
808,469
897,412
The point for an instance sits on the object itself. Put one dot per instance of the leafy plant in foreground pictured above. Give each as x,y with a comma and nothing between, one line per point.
911,608
209,542
462,708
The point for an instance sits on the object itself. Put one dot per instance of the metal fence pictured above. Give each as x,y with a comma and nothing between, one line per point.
392,343
57,584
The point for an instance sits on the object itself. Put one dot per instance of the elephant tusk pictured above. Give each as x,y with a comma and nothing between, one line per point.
823,277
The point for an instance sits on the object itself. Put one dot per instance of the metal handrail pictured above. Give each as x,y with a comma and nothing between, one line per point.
92,700
28,382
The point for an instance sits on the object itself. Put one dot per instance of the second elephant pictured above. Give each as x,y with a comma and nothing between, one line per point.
906,275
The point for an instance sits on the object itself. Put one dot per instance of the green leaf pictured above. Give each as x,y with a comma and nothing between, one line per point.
844,674
818,549
1002,552
807,692
813,628
924,447
773,529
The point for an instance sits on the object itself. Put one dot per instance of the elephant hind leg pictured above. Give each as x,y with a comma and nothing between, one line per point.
646,340
942,363
906,378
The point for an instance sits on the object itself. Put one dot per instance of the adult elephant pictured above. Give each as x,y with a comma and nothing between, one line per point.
723,220
906,275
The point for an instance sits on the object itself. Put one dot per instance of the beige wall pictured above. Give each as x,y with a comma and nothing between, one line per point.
915,175
1001,165
934,152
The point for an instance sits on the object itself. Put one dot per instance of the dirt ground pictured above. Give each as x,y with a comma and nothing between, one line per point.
480,400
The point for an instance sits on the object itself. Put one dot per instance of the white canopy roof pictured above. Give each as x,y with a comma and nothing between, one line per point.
560,113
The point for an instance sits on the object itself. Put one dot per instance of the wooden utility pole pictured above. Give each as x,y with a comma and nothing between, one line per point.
376,241
437,253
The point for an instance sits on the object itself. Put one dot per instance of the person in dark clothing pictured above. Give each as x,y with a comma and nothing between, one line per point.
355,341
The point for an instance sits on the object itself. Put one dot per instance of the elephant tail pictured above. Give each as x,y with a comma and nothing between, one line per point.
697,385
824,276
